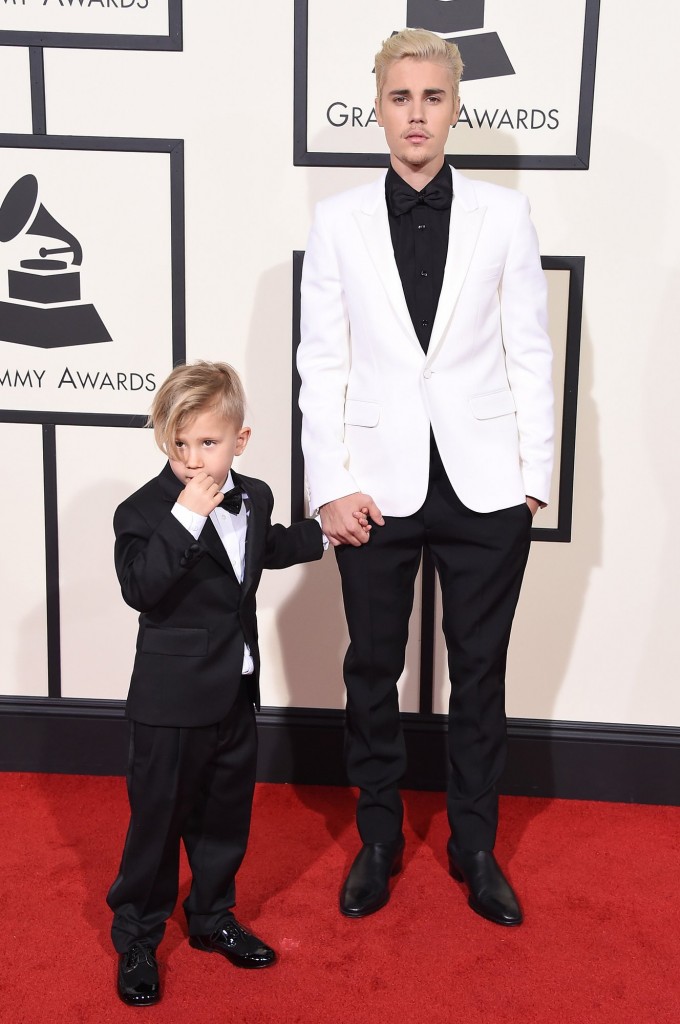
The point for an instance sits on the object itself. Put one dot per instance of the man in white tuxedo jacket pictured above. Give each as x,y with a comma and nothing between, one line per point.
427,422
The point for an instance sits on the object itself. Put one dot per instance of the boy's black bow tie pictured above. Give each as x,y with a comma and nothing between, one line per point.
232,500
403,199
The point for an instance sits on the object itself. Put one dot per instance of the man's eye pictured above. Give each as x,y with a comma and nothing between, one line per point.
179,444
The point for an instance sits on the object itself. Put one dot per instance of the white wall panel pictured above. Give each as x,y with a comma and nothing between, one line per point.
23,617
595,632
97,467
303,639
15,89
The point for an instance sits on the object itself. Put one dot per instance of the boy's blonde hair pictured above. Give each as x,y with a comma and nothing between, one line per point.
191,389
421,45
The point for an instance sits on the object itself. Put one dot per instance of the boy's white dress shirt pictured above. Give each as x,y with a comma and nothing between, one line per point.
231,530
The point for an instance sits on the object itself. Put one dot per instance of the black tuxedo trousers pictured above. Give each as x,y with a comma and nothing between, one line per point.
193,785
480,560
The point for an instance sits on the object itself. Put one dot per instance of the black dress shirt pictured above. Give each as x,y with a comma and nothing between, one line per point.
420,239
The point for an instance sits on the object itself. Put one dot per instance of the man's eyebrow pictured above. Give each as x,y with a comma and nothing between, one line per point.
407,92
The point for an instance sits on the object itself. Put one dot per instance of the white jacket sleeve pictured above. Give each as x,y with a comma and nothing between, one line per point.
528,353
323,362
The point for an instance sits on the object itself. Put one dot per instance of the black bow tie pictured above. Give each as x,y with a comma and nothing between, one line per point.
403,198
233,500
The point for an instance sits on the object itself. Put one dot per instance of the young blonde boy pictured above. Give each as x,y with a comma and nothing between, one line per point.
190,548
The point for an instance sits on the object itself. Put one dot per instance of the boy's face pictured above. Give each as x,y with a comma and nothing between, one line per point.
416,110
208,442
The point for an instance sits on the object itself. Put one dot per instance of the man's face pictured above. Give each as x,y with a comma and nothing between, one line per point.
208,442
416,110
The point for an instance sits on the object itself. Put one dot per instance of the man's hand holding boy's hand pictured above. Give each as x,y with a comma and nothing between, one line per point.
201,495
344,520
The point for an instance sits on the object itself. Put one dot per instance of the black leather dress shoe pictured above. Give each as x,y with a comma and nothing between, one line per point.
367,886
138,983
236,943
490,893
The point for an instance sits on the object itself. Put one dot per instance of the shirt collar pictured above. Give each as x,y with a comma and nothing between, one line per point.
227,486
441,180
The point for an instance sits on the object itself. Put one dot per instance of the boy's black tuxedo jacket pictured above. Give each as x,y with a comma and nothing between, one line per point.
195,614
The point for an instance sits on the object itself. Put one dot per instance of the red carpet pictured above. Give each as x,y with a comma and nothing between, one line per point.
599,884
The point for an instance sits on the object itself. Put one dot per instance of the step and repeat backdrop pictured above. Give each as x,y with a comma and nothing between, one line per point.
529,79
159,165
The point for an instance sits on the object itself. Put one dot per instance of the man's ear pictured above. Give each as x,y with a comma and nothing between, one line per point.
456,113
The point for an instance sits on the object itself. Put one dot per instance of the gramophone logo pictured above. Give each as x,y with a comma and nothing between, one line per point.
44,308
483,53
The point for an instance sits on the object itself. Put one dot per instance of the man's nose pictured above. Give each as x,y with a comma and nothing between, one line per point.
417,111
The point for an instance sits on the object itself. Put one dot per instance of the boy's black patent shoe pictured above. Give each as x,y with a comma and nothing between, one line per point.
367,886
235,942
491,895
138,983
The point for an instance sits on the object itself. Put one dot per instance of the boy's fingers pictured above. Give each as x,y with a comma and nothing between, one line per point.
374,512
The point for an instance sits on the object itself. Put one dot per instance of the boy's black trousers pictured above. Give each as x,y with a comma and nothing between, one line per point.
195,785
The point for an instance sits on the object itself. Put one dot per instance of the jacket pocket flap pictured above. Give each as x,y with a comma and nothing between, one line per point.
362,414
189,643
496,403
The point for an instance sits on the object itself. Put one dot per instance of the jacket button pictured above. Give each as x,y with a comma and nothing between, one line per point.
184,562
427,374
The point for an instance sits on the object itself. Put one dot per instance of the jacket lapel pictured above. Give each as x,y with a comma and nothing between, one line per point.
374,226
169,484
213,543
464,227
210,538
255,536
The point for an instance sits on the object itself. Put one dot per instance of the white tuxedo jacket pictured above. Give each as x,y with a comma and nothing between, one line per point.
369,392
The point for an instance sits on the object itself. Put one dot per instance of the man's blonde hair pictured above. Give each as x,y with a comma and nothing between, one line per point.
419,44
190,389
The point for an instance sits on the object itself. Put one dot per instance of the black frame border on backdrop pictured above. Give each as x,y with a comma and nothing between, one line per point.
575,267
174,149
580,160
100,41
50,419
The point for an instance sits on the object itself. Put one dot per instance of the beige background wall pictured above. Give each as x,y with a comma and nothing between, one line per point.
595,635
